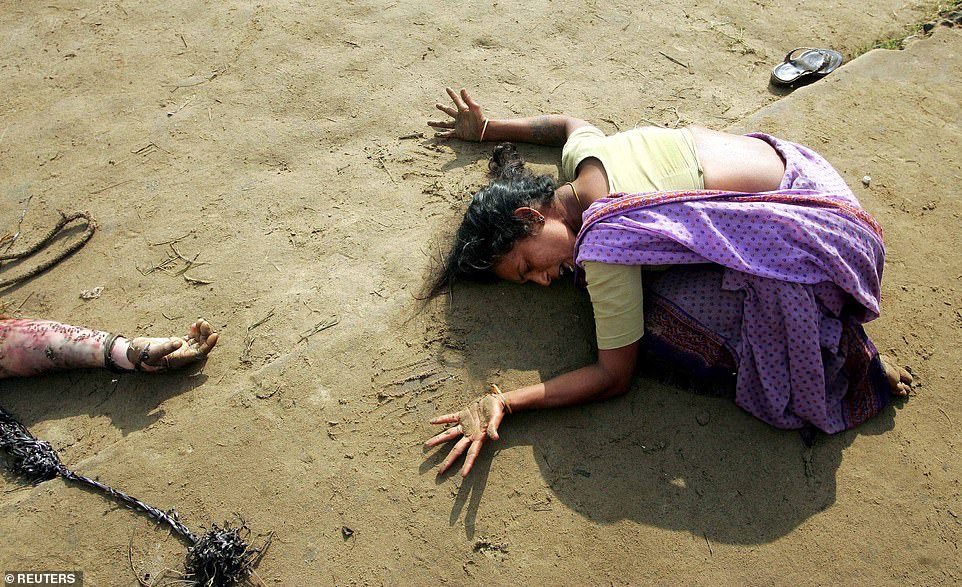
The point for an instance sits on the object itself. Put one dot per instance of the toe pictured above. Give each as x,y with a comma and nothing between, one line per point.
905,377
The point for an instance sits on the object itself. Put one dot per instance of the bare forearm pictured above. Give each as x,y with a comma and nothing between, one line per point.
591,383
550,129
30,347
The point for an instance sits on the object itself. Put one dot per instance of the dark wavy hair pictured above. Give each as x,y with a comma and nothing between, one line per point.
490,227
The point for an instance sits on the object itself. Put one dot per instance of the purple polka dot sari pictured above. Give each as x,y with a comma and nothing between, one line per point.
772,287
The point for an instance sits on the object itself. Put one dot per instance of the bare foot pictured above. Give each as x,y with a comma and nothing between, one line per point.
899,378
160,354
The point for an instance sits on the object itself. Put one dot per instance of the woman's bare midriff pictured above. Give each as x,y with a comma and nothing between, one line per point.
737,163
729,162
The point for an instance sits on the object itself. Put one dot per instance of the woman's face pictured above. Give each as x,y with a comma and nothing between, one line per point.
543,256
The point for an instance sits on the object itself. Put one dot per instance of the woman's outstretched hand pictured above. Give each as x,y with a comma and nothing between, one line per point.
468,119
474,424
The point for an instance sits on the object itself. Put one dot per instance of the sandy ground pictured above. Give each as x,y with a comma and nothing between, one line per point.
283,146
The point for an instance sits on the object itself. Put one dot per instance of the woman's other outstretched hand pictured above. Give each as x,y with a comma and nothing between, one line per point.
474,424
468,119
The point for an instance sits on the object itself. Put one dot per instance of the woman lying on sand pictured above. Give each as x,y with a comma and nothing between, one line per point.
31,347
757,261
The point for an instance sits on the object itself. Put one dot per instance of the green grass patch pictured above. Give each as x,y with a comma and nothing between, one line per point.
897,42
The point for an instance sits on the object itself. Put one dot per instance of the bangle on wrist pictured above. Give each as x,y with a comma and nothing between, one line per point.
119,363
495,390
484,127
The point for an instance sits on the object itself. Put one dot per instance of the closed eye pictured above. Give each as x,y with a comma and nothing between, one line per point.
521,274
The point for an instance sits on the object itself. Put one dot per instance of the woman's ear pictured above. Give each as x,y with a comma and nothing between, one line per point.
529,215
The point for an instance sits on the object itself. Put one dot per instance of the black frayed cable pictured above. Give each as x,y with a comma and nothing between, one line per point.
219,558
33,459
223,556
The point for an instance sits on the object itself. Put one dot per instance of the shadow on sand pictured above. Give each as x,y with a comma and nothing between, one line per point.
661,455
129,400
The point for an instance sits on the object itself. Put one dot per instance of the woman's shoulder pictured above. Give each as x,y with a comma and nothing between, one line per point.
586,131
579,145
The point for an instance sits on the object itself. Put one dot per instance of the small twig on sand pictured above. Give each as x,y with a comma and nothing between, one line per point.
16,235
194,281
162,266
130,561
173,240
710,553
674,111
260,582
150,148
673,60
182,106
30,295
248,346
262,320
113,185
190,263
322,325
197,80
946,416
649,122
178,253
386,170
612,123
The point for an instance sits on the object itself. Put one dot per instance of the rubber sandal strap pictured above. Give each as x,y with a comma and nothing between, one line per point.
790,57
799,61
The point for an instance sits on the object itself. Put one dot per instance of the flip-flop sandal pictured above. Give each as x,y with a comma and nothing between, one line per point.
805,63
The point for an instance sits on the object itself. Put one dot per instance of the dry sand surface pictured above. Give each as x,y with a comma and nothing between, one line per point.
281,147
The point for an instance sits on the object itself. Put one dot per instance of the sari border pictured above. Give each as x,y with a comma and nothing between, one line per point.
623,202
